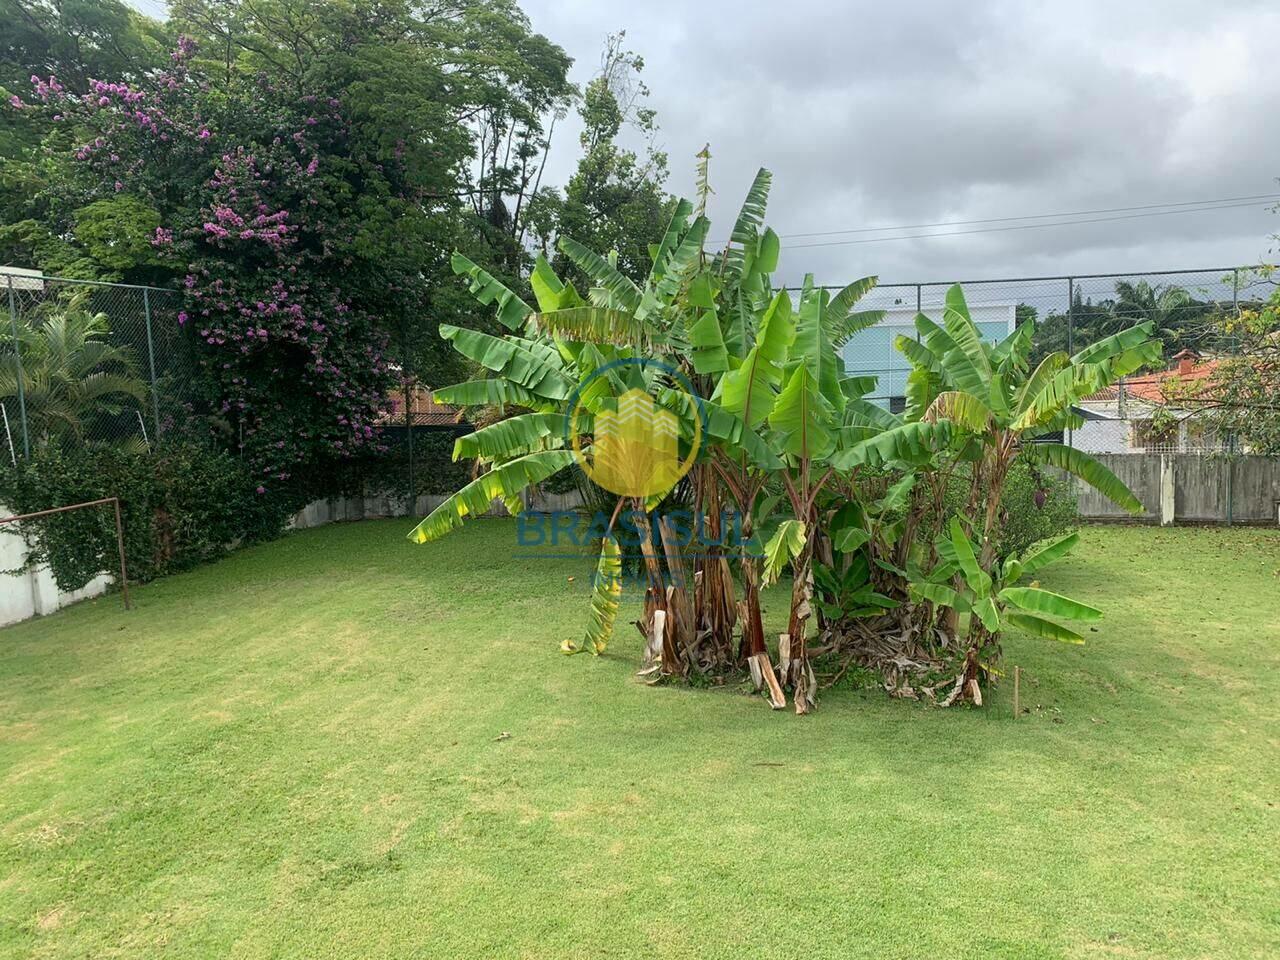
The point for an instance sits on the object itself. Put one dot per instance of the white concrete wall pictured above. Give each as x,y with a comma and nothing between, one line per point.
319,512
33,593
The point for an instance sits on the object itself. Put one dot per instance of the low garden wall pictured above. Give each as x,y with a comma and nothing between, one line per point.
32,593
1191,488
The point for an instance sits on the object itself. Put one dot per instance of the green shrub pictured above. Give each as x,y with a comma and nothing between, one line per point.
387,474
182,504
1025,518
1028,519
186,502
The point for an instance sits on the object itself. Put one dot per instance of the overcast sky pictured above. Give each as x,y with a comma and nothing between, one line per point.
875,114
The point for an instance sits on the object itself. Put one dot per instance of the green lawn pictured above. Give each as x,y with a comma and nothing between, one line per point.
299,752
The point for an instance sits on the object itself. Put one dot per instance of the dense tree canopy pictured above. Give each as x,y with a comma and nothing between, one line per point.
302,171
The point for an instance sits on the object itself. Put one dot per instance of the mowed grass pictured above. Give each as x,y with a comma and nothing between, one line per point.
302,751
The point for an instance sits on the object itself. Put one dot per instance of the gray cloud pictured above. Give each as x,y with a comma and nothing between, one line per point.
873,114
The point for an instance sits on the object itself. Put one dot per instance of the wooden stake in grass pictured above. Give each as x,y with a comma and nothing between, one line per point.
1017,677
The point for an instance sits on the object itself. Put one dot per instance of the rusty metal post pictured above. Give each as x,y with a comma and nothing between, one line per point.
115,502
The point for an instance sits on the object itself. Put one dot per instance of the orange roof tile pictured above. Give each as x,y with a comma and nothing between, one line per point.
424,411
1188,377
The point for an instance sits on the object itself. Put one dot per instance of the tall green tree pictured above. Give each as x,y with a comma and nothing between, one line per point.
615,200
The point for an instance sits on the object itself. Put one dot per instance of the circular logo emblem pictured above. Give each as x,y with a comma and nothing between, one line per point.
628,407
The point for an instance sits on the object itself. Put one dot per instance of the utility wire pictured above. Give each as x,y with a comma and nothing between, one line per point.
1033,216
1025,226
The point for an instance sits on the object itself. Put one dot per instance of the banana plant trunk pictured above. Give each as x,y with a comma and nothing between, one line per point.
793,651
659,624
715,609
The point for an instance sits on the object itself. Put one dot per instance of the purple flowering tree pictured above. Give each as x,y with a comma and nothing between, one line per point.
290,366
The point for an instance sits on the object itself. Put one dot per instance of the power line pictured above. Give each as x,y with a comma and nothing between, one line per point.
1025,226
1033,216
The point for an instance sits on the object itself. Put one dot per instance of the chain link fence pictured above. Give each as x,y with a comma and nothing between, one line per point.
104,363
1147,412
88,361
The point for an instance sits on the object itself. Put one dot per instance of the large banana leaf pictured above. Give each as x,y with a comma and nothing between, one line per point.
1048,368
785,545
748,391
705,337
865,413
953,362
979,580
914,443
751,216
1049,553
962,409
494,392
921,357
1117,343
1062,390
678,266
857,387
923,387
985,610
959,324
843,302
1013,350
676,228
511,359
605,594
815,348
1080,464
620,292
598,324
486,288
513,437
549,290
1042,628
803,419
1047,603
505,482
941,594
734,434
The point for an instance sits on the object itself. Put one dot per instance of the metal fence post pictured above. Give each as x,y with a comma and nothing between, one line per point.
151,355
1071,314
411,507
1071,323
17,365
1231,476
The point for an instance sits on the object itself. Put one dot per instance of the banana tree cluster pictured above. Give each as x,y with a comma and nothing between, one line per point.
820,480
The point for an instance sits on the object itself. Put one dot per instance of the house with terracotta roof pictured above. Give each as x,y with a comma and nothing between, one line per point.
1152,412
423,410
